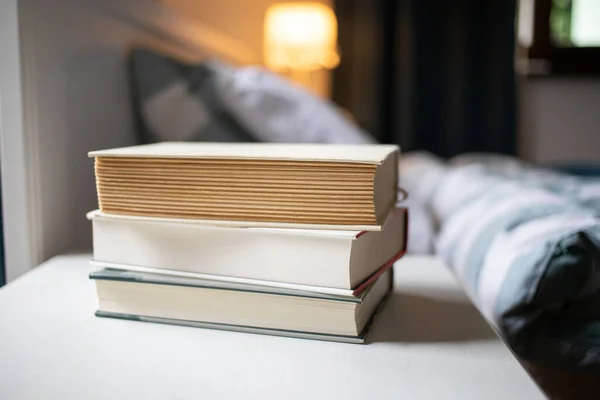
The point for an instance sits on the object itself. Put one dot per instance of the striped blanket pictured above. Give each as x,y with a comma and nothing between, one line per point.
525,244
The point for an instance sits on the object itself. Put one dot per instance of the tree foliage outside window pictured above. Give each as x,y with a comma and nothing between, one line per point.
560,22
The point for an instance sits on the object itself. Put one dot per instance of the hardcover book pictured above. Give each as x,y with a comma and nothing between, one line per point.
332,258
346,185
246,308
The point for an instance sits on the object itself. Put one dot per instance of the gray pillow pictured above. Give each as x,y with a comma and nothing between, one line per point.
175,101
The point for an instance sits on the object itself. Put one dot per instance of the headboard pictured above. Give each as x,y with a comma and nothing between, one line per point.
74,97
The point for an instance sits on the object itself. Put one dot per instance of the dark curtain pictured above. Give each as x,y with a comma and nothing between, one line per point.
430,74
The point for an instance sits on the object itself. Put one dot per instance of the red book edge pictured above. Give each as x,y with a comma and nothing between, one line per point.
389,264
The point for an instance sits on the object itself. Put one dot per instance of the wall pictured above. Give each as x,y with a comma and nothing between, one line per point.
242,20
560,121
15,190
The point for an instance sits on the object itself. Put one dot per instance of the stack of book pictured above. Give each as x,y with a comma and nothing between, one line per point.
291,240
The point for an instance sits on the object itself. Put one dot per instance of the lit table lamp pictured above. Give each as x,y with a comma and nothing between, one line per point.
300,39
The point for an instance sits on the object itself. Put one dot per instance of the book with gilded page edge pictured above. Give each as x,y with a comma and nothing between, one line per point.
345,185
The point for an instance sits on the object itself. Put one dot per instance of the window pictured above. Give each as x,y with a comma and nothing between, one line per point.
559,37
575,23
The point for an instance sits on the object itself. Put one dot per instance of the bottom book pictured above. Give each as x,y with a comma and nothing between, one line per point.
198,303
236,328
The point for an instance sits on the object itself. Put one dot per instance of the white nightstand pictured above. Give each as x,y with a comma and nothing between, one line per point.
428,342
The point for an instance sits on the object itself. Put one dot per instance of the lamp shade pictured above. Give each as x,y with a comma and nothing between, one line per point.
300,36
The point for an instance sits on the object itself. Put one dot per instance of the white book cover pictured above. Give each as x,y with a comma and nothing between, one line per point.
354,153
337,259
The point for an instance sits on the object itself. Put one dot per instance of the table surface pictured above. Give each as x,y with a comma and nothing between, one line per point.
428,342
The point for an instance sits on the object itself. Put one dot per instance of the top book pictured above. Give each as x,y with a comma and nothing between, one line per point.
310,184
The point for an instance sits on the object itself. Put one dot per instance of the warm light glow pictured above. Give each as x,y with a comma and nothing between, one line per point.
300,36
